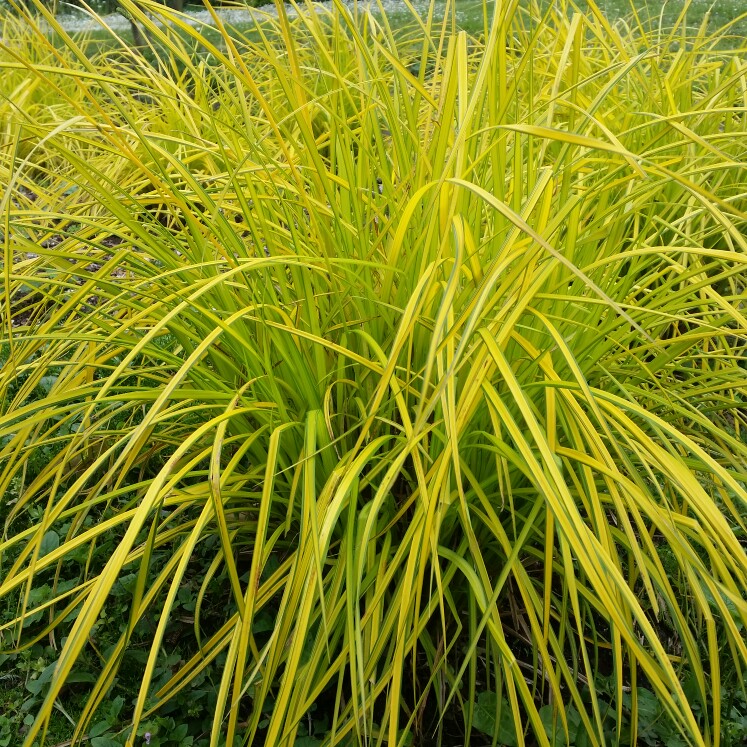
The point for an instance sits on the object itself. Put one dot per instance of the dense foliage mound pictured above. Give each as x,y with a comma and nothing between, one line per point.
400,375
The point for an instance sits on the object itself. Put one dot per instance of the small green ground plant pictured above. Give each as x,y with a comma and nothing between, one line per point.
368,385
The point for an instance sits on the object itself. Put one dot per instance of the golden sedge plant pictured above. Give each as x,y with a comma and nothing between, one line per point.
428,347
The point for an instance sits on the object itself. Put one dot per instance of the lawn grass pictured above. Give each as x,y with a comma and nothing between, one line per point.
372,383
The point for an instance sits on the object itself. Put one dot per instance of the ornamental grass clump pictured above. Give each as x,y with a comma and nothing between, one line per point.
428,348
